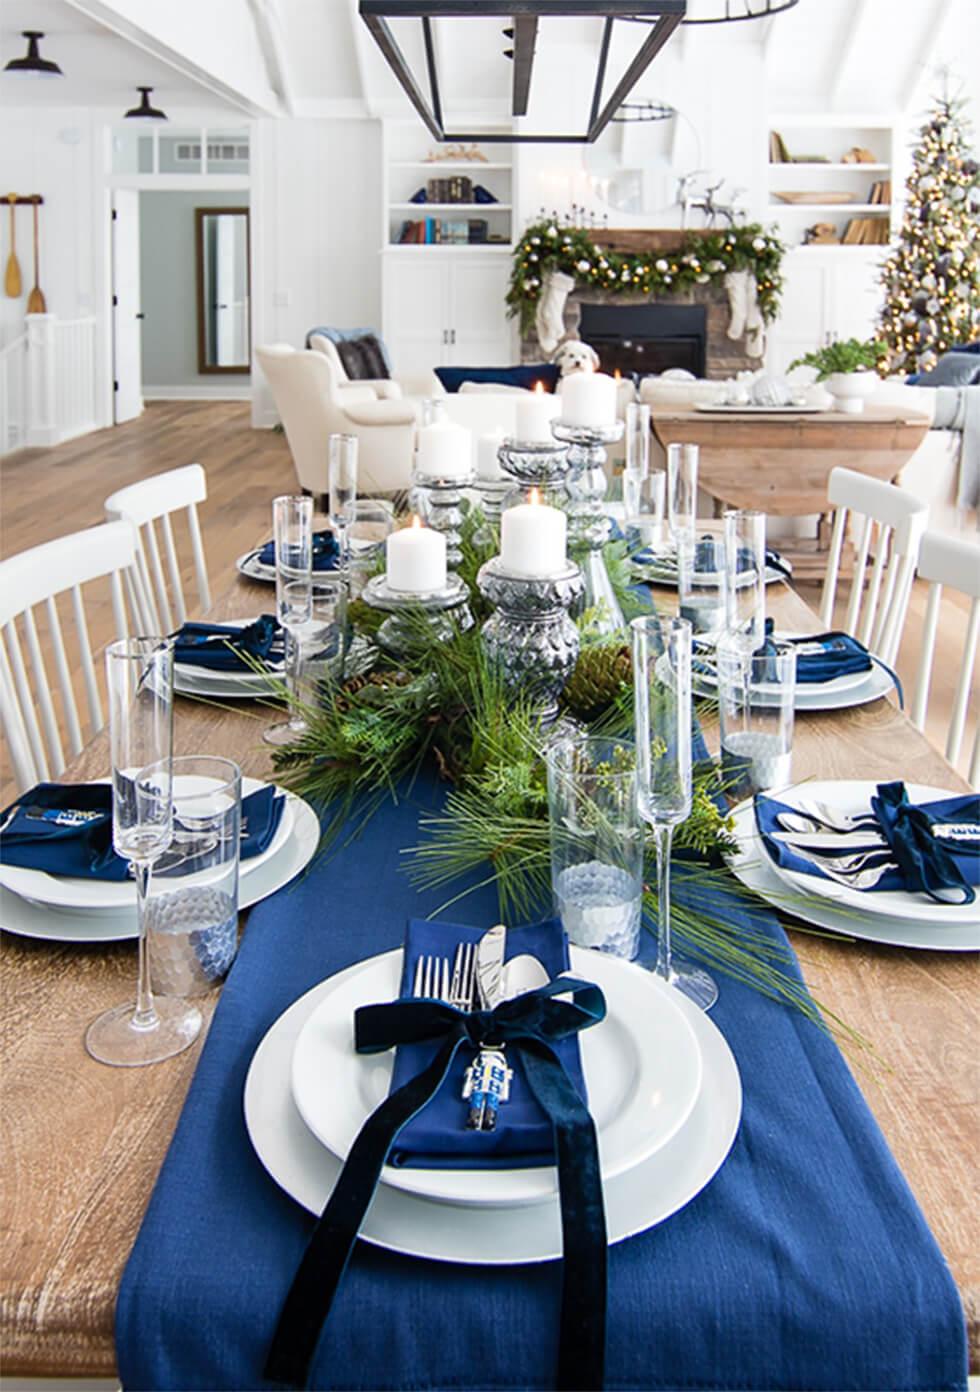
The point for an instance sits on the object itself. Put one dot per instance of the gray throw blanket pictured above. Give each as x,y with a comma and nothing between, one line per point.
958,408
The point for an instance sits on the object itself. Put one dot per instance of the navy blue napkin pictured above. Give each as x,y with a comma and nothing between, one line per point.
326,553
821,657
66,829
436,1138
937,844
225,648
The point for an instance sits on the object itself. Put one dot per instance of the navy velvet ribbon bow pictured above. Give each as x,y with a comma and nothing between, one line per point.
225,648
325,552
530,1024
921,855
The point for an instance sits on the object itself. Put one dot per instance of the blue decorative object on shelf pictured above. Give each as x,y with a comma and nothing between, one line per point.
483,195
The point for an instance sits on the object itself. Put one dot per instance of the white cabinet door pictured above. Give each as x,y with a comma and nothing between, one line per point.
482,335
855,296
802,321
416,311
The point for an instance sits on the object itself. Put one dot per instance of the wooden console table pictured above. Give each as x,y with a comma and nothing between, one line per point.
780,463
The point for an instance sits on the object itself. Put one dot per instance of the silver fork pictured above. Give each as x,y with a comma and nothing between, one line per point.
432,978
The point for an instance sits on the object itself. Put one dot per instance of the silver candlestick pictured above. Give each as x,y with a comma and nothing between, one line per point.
535,464
441,503
588,525
492,493
443,612
530,635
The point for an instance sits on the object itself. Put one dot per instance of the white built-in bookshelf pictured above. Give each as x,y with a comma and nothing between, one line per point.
456,222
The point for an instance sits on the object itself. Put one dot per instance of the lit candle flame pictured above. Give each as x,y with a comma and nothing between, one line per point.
416,521
618,375
535,497
539,389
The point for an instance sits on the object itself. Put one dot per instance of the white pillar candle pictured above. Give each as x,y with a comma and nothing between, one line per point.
532,538
445,450
533,415
588,398
487,463
416,559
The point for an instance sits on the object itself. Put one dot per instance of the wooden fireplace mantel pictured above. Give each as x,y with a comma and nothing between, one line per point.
631,240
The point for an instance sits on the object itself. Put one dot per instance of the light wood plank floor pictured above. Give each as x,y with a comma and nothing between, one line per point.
46,493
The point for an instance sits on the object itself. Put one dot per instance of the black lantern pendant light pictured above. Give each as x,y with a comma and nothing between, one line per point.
731,11
145,112
662,16
32,64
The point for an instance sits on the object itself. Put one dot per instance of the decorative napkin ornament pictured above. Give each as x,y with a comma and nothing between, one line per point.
530,1025
225,648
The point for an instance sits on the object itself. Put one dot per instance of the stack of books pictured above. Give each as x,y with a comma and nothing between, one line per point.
870,231
447,231
458,189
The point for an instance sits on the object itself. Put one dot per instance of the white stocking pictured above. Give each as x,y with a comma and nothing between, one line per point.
549,317
746,320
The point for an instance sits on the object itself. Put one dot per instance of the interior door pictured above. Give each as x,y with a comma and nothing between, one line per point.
127,328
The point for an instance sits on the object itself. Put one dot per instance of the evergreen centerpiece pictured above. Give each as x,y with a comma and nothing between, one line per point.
849,367
932,279
552,246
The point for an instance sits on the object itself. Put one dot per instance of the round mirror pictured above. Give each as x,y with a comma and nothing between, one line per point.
635,165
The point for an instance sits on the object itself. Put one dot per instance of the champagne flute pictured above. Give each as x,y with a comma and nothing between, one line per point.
294,607
140,678
662,709
343,487
292,523
638,438
682,488
745,584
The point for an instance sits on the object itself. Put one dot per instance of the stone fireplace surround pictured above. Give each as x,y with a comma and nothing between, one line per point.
724,356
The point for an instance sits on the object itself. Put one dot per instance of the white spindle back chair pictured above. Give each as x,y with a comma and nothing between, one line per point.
34,578
153,500
954,563
893,520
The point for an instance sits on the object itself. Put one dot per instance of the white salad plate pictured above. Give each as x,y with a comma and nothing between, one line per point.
665,575
752,866
642,1069
250,566
70,892
29,919
808,696
400,1222
191,680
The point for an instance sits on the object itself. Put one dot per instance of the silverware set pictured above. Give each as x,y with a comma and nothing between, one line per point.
433,979
824,837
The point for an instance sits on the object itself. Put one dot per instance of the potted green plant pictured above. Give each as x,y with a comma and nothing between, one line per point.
849,366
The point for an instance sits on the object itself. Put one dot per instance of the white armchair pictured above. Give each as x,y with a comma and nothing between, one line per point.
312,405
385,388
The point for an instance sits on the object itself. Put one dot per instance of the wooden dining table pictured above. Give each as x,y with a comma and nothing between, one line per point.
83,1143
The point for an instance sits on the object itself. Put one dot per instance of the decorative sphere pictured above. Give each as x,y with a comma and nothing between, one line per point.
771,391
758,244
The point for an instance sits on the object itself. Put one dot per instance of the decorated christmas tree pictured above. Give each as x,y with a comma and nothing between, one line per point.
932,279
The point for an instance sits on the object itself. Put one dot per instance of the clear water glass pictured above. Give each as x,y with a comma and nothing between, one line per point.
745,588
292,528
701,583
596,843
343,486
638,438
756,696
644,500
370,521
294,606
663,716
192,910
321,642
682,488
140,682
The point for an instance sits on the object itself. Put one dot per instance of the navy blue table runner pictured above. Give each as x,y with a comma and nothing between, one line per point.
804,1264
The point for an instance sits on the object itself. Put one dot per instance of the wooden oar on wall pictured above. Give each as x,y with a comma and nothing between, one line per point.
35,300
13,284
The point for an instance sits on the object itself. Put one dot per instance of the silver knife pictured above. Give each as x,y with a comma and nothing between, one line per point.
487,1080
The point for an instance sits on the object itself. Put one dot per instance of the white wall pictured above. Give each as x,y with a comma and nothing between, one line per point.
168,289
316,229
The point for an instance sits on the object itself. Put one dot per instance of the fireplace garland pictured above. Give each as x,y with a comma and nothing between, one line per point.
549,246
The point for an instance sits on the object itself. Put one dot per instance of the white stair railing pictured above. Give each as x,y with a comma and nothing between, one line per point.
13,394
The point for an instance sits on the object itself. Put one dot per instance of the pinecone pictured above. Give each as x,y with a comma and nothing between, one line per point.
600,674
381,678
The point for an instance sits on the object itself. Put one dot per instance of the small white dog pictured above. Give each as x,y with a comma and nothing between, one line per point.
575,356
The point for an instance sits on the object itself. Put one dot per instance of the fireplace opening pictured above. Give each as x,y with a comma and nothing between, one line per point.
641,340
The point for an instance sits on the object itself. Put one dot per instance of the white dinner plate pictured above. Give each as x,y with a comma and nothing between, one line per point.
666,578
642,1068
750,864
806,693
400,1222
91,896
254,569
853,797
32,920
193,680
869,686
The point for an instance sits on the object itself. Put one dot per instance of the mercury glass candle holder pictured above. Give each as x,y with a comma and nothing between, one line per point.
535,464
440,501
589,526
530,635
443,613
